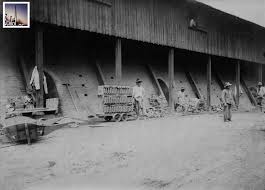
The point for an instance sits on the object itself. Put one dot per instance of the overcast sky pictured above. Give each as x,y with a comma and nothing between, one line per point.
252,10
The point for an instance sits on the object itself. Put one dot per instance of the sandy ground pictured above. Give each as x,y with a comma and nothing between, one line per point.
190,152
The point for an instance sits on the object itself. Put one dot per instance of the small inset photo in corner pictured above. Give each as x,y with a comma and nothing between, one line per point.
16,14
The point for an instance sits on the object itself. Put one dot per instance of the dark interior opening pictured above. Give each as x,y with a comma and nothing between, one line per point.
52,90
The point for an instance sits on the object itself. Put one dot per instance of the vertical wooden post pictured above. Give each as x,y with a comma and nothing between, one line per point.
118,61
171,78
209,82
260,70
27,133
39,63
237,83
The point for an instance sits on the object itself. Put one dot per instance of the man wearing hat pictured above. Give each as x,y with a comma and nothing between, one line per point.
227,100
261,95
138,95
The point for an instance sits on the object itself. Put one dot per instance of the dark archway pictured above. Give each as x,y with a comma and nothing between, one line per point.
52,90
164,87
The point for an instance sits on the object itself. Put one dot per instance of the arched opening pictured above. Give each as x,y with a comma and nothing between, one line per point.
52,90
164,87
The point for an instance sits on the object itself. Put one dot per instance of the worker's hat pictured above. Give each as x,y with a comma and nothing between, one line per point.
260,84
227,84
138,81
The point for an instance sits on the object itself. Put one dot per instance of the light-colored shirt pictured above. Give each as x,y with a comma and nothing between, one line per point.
138,92
261,91
35,80
227,97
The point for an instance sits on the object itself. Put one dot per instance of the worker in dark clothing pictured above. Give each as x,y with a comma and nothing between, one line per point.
227,101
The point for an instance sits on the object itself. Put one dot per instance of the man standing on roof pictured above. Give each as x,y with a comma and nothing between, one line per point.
138,95
261,95
227,100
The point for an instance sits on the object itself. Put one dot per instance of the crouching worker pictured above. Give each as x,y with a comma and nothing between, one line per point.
181,100
138,95
227,102
260,95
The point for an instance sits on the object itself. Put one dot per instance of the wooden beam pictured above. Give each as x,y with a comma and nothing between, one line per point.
118,61
250,95
154,79
39,57
102,2
260,70
209,81
192,83
237,82
218,78
25,74
100,75
171,78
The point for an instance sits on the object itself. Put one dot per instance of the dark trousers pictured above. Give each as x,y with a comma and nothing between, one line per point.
227,112
138,107
260,102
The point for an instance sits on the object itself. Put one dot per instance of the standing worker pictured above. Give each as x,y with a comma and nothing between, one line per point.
227,100
138,95
260,95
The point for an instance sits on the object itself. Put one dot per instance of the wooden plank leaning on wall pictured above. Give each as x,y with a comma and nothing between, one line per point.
260,72
118,61
238,83
171,79
209,82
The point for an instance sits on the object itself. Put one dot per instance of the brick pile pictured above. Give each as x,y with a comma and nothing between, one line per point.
116,99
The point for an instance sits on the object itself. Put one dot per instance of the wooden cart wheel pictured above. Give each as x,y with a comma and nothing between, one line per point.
124,117
117,117
108,118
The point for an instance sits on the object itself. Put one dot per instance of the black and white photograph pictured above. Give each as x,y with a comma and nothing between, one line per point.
132,95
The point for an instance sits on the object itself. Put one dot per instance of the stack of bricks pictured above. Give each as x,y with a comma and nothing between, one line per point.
116,99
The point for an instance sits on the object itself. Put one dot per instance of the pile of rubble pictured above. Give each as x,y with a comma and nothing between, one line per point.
196,105
1,131
202,106
217,108
19,102
193,105
158,107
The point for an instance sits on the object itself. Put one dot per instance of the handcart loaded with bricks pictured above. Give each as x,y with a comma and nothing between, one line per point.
116,103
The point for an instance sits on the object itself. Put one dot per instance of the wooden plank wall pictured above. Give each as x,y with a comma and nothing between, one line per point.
163,22
90,15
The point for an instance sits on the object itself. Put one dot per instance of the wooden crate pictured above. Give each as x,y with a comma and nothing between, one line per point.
52,104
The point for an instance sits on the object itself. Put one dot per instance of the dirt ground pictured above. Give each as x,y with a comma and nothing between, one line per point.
189,152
